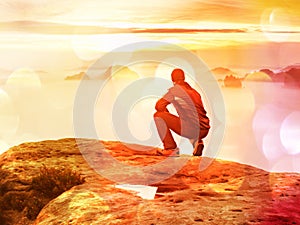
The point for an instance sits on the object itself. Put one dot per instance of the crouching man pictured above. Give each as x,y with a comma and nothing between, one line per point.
191,122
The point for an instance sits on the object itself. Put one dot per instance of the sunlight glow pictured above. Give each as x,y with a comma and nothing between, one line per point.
290,133
164,71
272,146
55,99
90,47
266,124
284,163
122,76
140,124
296,163
9,120
234,99
3,147
275,24
26,137
24,77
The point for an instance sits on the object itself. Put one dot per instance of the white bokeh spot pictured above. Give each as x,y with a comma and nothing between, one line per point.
290,133
272,147
9,120
275,24
24,78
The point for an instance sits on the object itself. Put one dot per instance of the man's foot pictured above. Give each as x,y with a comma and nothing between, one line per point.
168,152
198,148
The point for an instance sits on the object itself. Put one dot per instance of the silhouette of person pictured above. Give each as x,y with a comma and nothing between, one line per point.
191,122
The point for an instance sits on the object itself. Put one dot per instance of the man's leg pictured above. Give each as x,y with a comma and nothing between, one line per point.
199,145
165,122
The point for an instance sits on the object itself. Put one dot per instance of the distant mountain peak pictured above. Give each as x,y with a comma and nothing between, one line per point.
221,70
293,66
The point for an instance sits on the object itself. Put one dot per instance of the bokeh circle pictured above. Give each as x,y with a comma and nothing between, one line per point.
89,90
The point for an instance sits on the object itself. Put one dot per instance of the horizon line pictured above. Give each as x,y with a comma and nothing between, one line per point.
50,27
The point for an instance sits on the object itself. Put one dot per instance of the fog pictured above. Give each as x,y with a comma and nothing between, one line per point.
261,129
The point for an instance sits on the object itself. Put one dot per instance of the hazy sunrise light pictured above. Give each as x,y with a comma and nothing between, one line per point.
47,47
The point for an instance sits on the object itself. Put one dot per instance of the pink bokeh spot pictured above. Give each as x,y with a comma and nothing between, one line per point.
284,164
272,147
296,163
290,133
267,119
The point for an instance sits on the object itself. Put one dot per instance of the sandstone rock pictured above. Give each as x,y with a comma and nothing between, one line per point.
199,191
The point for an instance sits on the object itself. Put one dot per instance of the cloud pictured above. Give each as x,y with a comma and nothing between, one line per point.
181,30
137,11
34,9
60,28
166,11
232,11
220,10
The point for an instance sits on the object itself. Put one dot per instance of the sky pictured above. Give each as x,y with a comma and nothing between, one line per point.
59,38
171,12
59,28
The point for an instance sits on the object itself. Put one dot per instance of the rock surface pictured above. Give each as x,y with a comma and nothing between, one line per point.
191,190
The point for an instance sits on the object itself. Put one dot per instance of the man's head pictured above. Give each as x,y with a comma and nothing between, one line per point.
177,75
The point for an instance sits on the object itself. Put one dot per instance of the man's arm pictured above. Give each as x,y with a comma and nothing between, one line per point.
161,104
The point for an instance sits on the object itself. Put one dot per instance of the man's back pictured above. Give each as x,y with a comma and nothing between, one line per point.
188,104
191,122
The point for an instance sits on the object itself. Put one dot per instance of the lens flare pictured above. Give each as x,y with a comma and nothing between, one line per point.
290,133
91,47
267,120
26,137
140,124
59,95
271,146
296,163
87,95
284,163
145,69
24,78
3,147
122,76
240,105
9,120
87,47
164,71
275,24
